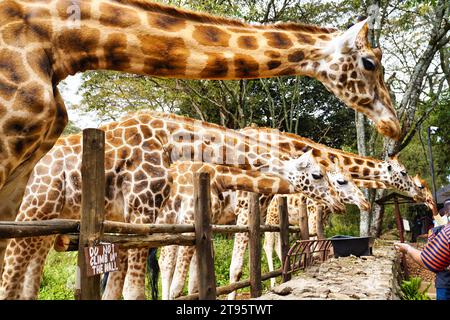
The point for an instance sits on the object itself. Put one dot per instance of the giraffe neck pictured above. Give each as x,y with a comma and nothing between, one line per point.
187,139
230,178
370,184
147,38
360,167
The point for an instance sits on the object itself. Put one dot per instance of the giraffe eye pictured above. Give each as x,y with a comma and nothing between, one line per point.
368,64
317,176
342,182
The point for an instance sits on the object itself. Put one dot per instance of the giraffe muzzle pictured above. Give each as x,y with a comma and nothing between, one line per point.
389,128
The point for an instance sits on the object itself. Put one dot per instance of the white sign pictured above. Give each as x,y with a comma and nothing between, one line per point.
406,225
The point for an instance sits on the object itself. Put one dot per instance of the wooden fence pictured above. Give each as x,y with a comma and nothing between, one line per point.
92,229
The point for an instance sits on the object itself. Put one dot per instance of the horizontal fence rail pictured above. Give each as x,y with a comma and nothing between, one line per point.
305,253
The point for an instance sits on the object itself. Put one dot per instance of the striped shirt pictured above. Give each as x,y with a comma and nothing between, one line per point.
436,254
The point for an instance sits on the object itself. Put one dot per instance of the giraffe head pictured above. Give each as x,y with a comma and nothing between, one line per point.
346,189
424,190
395,175
309,177
353,72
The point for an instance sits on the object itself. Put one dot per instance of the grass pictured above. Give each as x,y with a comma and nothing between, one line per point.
58,282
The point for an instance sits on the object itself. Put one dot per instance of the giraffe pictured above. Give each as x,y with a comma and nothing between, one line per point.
139,150
44,41
185,213
389,174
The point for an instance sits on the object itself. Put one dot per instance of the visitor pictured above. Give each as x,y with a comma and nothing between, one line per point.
435,256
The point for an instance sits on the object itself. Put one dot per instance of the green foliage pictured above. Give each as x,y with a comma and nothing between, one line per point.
411,289
71,128
58,281
223,249
343,224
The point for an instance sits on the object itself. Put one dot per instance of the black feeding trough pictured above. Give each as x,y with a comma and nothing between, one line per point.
344,246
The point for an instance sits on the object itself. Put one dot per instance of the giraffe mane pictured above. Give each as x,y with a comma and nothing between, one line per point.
218,20
313,143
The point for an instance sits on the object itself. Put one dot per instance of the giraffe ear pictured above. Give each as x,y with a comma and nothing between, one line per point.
304,160
356,36
394,157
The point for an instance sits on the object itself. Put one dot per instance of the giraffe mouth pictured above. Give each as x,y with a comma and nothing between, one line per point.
337,206
364,205
389,128
429,202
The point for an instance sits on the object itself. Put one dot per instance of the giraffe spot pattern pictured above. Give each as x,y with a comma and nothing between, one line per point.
11,67
216,66
40,63
112,15
165,56
272,54
278,40
247,42
115,48
166,22
211,36
273,64
296,56
245,66
304,38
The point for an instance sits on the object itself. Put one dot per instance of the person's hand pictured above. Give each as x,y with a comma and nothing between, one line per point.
402,247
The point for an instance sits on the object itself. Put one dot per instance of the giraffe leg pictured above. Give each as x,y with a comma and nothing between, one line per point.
237,260
184,257
276,235
114,285
134,285
167,261
193,276
19,253
34,271
268,249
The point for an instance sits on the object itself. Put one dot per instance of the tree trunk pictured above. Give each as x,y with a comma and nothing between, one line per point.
364,222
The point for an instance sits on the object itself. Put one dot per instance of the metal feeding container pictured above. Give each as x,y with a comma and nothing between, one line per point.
344,246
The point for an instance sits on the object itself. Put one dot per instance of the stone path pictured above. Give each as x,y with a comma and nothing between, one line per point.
349,278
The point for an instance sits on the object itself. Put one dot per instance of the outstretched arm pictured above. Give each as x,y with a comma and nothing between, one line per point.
411,252
436,254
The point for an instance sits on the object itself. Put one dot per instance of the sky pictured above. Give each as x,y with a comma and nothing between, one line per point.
69,90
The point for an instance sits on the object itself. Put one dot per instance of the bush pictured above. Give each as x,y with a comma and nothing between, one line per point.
411,289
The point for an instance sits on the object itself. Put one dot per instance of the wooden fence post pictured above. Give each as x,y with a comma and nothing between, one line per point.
254,245
399,220
203,242
284,236
319,223
93,208
303,221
